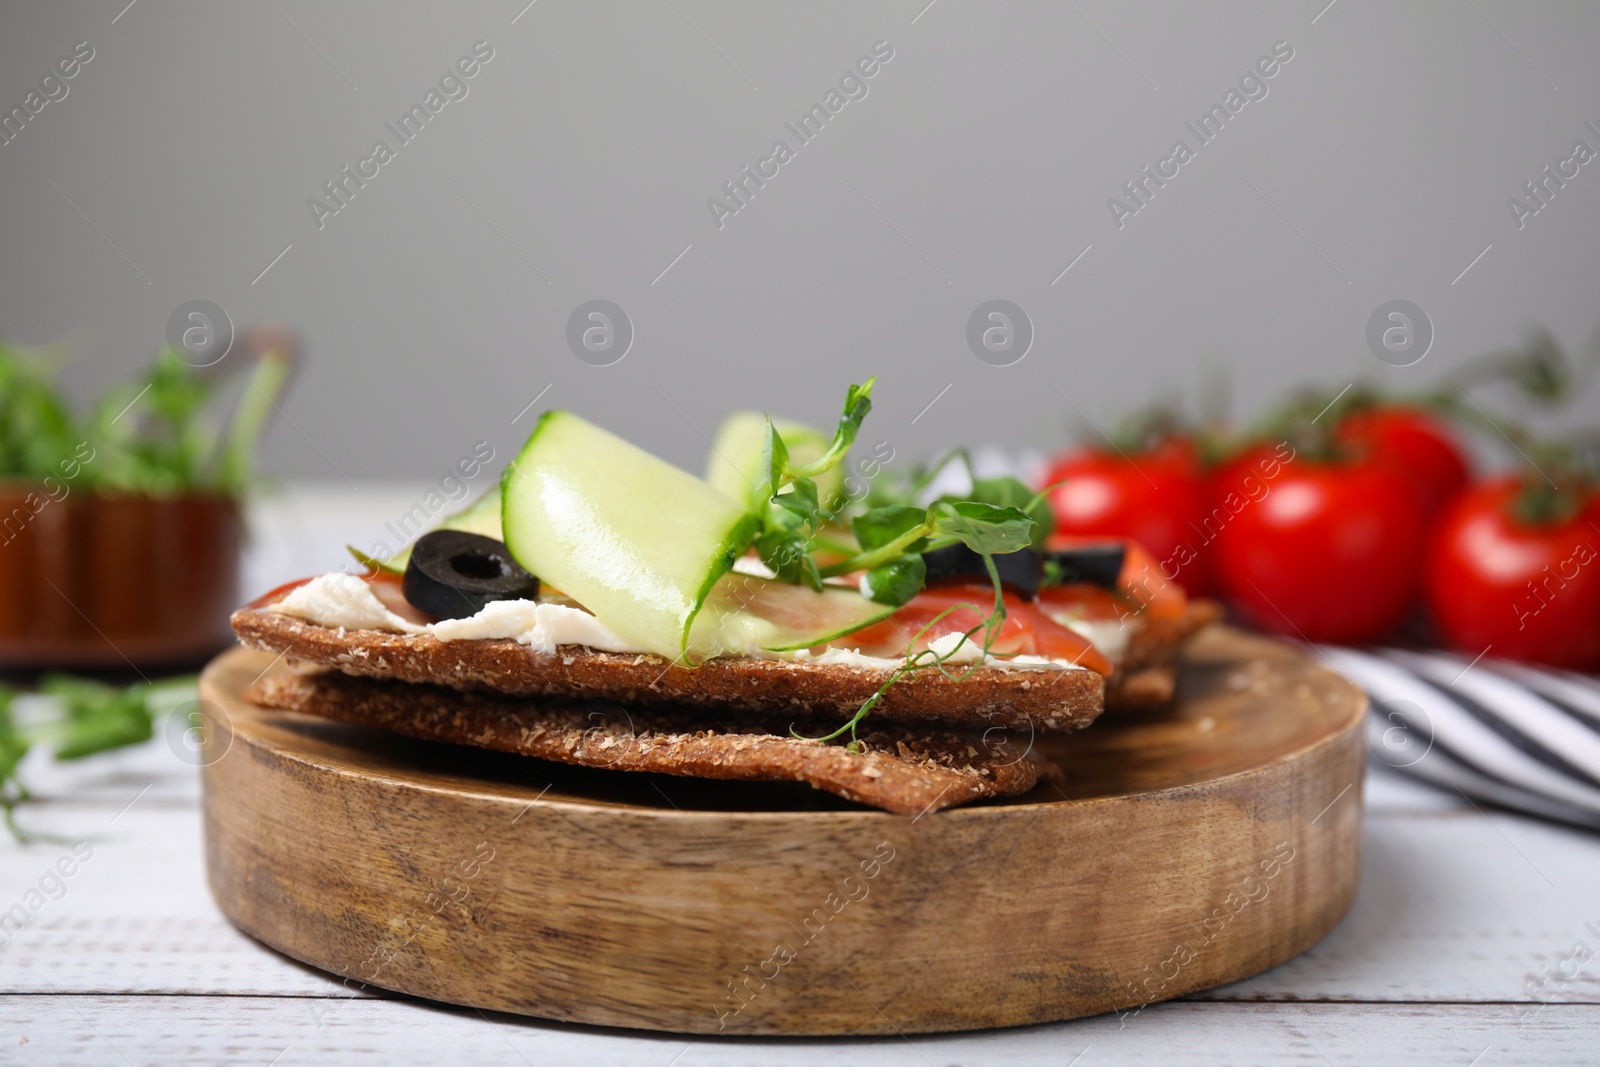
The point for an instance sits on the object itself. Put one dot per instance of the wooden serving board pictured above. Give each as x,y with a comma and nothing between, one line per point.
1191,847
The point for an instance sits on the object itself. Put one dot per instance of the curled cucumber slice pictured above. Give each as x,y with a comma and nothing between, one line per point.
632,538
746,615
736,465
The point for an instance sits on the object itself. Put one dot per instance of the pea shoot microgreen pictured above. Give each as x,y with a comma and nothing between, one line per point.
156,435
930,656
151,435
890,535
76,718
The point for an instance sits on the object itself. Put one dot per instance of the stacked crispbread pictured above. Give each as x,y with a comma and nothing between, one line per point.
934,739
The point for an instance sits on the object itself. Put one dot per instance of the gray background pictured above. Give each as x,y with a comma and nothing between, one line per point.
978,167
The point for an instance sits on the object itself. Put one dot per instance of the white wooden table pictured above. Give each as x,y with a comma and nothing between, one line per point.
1455,951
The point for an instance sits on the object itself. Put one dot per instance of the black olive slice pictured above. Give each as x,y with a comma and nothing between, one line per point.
1095,564
452,574
1018,570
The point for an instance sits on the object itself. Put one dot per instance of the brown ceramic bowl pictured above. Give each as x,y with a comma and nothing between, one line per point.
113,580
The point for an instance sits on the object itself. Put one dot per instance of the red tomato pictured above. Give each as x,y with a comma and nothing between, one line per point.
1328,551
1528,591
1026,631
1248,472
1416,441
1156,498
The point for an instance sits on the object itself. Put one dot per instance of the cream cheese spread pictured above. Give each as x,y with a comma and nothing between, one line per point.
346,601
967,653
1110,636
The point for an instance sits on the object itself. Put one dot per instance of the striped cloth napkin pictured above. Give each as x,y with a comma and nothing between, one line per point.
1521,737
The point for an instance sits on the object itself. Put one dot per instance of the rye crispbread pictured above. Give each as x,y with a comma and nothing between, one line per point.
1045,699
988,696
1149,687
904,769
1147,673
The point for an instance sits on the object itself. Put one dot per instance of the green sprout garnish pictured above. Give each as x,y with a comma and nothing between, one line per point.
890,537
82,718
929,657
156,435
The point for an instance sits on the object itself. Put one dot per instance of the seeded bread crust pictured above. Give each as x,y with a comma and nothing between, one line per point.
907,770
1147,675
1141,690
1044,699
1155,642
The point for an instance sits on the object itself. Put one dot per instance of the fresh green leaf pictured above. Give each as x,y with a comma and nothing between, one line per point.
84,717
895,583
1010,493
256,404
126,723
1005,492
790,506
80,697
736,466
149,436
36,430
775,456
881,526
788,553
13,746
175,391
857,403
152,432
983,528
373,564
98,716
800,500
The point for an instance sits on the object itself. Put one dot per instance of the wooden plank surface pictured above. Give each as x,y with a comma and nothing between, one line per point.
1443,959
286,1031
1454,905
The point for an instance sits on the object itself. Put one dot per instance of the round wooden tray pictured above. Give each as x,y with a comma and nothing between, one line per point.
1191,847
